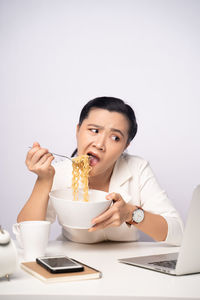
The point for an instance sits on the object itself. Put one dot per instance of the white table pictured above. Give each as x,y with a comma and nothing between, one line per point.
119,281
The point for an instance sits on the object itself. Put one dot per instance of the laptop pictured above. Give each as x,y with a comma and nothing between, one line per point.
187,260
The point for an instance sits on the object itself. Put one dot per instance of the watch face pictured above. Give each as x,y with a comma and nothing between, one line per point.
138,215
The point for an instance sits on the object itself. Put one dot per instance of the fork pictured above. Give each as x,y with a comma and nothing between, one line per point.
58,155
61,155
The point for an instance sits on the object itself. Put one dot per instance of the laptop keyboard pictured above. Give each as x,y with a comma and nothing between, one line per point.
167,263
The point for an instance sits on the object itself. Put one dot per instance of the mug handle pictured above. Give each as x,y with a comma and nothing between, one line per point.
4,237
16,231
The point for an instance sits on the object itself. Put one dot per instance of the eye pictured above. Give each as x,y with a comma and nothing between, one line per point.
115,138
94,130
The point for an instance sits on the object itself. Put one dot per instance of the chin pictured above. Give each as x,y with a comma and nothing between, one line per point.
94,172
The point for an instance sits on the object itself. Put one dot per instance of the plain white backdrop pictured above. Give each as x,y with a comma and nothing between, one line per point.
58,54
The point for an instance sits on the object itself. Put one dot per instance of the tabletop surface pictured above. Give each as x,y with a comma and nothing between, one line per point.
119,281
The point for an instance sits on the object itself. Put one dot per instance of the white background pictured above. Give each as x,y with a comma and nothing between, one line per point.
58,54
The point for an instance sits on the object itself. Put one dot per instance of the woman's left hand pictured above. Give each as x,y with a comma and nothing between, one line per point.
118,213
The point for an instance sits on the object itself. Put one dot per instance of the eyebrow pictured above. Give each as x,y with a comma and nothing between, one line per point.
112,129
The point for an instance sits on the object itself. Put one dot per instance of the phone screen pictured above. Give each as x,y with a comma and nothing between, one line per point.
60,264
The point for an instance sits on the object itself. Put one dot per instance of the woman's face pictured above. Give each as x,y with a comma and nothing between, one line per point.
103,136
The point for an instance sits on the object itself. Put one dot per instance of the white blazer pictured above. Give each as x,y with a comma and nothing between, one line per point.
132,178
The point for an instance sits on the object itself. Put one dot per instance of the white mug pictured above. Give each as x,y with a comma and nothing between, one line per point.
33,237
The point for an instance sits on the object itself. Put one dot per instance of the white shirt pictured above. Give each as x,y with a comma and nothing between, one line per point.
134,180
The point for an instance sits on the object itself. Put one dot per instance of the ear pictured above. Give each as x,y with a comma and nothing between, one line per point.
126,146
77,129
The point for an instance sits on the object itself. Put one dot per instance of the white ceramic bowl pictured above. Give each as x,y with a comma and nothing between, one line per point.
78,214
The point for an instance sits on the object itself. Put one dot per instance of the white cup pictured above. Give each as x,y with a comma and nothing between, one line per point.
33,237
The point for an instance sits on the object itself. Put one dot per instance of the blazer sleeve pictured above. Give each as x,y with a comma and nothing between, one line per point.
154,199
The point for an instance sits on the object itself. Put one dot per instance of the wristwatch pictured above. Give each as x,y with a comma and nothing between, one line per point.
137,215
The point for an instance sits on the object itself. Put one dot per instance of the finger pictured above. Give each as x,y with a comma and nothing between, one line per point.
48,161
32,151
108,223
44,158
36,144
38,155
43,164
106,215
114,197
31,161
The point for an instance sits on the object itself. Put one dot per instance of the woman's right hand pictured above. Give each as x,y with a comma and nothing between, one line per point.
38,161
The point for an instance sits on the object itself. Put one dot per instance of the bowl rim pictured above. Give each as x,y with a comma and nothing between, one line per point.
79,201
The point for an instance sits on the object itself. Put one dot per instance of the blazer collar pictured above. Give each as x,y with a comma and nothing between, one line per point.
121,172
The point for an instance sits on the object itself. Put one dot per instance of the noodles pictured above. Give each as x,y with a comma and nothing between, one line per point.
81,169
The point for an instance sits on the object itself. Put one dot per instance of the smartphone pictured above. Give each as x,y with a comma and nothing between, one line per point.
59,264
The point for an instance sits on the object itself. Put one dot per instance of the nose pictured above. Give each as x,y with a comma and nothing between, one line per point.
99,143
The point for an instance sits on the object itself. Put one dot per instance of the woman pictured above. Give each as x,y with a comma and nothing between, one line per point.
105,129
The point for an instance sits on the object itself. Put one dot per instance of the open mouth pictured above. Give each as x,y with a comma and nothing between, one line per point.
93,158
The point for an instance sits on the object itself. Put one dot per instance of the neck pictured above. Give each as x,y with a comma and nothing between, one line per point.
100,182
